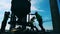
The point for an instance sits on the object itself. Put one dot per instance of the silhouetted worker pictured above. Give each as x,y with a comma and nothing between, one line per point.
39,19
12,21
31,23
4,22
21,8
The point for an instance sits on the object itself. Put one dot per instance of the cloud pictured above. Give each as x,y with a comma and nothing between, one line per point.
33,8
33,5
4,5
35,1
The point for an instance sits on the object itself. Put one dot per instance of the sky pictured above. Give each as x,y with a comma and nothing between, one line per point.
41,6
58,5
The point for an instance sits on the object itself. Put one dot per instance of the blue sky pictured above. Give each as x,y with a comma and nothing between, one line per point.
58,5
41,6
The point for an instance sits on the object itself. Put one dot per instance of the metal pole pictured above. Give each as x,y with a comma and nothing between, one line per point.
55,15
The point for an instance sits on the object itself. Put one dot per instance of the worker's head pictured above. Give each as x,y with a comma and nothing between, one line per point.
36,13
32,18
7,13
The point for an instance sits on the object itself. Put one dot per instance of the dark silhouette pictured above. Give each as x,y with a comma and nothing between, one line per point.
12,21
39,19
31,23
55,15
4,22
21,8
